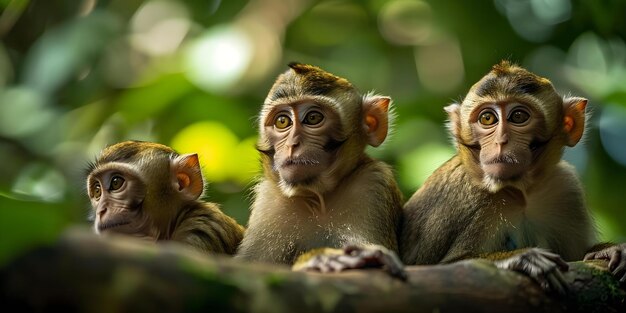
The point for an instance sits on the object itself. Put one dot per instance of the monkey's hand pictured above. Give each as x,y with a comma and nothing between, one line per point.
616,255
351,257
542,266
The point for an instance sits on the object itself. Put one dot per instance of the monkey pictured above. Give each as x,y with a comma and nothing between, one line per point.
323,204
506,195
148,190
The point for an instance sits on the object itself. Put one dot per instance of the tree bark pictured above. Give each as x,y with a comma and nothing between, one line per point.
87,273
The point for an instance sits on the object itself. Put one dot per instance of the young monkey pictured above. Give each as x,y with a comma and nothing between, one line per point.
507,188
148,190
320,189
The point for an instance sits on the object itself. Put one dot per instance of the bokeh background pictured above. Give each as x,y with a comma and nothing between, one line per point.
77,75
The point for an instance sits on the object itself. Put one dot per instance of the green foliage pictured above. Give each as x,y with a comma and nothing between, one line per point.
76,76
26,224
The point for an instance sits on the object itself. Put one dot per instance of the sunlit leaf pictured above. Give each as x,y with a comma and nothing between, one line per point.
245,164
215,145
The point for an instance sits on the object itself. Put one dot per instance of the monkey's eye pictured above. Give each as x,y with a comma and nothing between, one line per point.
116,183
282,121
313,118
488,118
519,117
97,191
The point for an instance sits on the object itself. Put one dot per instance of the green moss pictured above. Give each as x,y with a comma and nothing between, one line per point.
198,268
275,280
606,289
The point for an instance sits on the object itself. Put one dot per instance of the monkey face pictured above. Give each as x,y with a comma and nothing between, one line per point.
304,137
507,134
116,195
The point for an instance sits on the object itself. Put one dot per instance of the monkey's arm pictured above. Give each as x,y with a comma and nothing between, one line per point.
539,264
615,253
351,257
208,229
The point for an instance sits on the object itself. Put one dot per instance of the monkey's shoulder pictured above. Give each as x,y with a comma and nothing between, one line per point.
374,172
205,215
565,170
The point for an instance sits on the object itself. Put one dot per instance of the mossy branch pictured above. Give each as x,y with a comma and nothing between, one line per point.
87,273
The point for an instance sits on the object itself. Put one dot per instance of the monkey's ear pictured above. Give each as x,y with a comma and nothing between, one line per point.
454,116
187,176
376,109
574,121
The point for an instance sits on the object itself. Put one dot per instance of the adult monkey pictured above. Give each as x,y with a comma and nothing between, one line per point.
319,188
507,195
148,190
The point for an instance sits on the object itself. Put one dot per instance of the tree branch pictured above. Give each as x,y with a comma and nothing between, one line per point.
87,273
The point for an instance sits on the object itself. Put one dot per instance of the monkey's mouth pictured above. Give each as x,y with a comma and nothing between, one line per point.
300,170
300,162
506,166
105,226
503,159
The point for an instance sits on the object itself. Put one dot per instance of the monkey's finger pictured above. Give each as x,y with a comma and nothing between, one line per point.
393,266
547,253
561,278
542,266
352,261
371,256
397,272
350,249
322,265
543,283
616,256
589,256
558,261
337,266
619,270
556,285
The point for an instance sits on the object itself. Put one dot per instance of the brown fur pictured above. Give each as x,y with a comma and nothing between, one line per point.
458,214
352,201
203,225
152,203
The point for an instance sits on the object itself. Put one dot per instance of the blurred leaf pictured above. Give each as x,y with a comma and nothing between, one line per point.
144,102
329,23
23,112
26,224
245,163
617,97
73,79
65,51
42,182
238,114
213,142
416,166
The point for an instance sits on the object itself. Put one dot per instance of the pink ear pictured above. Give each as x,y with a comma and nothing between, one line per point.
454,125
187,176
574,121
376,109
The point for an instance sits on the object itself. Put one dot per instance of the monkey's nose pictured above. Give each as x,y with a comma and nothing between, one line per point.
101,212
502,139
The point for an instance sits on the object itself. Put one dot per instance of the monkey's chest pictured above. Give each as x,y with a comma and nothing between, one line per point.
321,231
516,227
